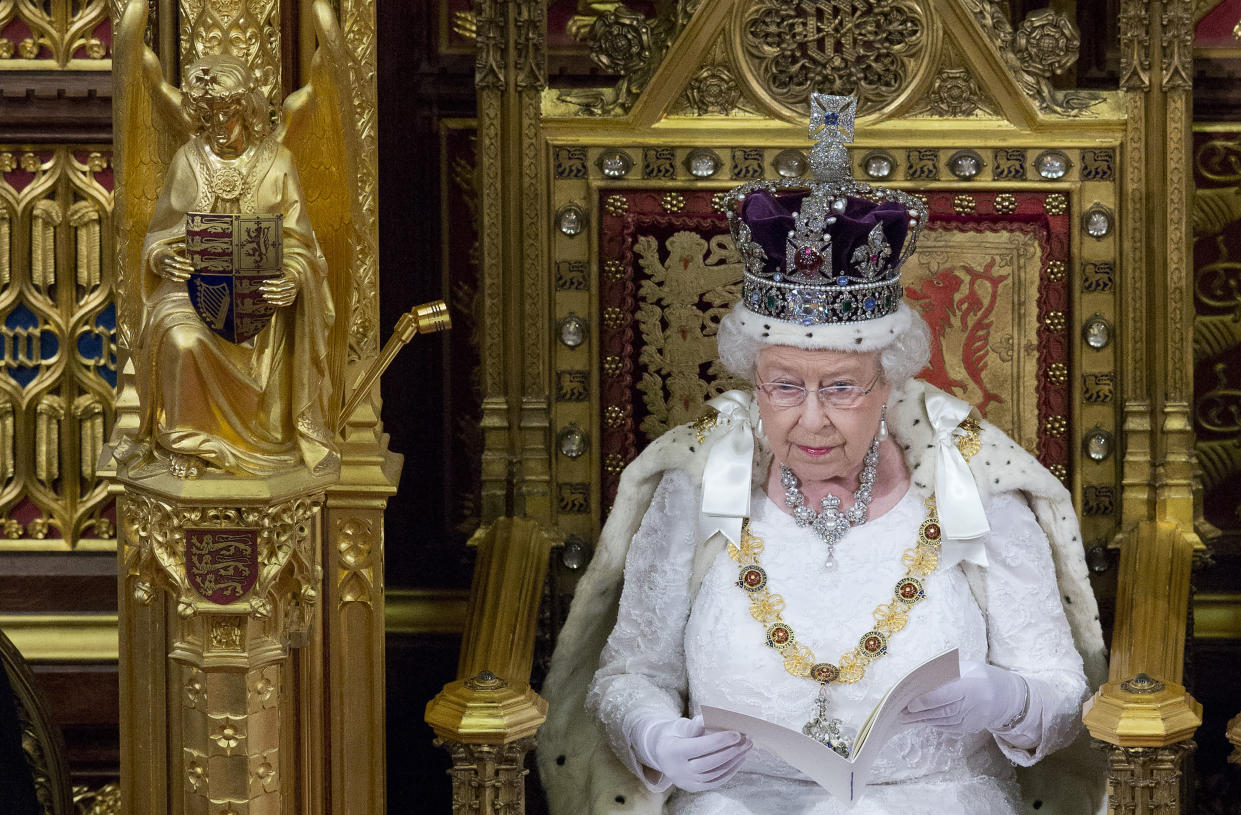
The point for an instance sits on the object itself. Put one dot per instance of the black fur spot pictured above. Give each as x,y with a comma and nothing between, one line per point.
1068,599
1037,805
691,449
857,341
764,333
620,799
917,420
766,326
809,333
559,761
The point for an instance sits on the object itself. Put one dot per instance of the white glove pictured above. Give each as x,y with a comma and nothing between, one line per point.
984,698
686,754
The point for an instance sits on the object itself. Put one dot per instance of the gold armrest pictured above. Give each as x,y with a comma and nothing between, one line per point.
487,719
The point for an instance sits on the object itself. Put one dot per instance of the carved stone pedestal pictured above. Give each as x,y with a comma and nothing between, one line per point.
218,588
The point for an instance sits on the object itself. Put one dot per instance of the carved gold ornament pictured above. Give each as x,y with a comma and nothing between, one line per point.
246,29
1046,42
60,342
955,93
56,31
867,49
713,90
620,41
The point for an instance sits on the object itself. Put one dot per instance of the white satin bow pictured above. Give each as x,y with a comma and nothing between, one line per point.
961,516
726,478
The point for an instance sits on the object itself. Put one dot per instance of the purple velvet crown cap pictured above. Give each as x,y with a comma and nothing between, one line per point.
770,218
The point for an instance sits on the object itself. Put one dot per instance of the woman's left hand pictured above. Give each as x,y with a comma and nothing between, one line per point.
984,698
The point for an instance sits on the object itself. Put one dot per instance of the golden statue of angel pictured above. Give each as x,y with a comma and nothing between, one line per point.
251,402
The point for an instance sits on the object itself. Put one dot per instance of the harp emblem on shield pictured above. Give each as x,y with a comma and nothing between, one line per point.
232,256
212,304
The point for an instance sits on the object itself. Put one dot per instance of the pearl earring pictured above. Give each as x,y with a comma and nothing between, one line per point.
883,422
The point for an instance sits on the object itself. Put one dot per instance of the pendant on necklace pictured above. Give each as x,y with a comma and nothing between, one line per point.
827,731
830,524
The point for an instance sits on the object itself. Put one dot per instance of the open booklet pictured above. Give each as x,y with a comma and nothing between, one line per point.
844,778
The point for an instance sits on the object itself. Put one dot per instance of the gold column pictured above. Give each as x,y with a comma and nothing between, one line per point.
1143,713
218,581
488,718
510,77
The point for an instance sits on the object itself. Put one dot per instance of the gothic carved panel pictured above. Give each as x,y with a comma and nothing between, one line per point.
871,48
55,35
57,341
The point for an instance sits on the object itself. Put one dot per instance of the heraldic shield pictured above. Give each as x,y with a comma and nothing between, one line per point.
232,255
222,564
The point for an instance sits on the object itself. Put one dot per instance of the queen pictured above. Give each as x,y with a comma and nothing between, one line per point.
253,407
811,540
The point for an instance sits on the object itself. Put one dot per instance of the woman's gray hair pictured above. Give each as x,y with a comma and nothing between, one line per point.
907,353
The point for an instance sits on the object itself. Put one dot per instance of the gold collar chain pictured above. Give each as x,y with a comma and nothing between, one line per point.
799,660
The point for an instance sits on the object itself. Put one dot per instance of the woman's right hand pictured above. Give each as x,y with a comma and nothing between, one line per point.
689,756
171,263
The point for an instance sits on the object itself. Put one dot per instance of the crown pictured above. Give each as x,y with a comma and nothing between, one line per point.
829,250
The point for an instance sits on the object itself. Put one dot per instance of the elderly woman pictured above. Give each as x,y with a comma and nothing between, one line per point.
795,553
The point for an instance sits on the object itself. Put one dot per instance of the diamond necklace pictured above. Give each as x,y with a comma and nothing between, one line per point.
831,524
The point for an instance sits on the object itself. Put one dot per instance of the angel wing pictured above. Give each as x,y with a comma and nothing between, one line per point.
320,131
149,127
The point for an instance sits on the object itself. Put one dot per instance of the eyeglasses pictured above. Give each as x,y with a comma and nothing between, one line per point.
833,397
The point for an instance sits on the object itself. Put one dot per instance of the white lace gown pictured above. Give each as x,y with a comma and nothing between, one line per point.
670,653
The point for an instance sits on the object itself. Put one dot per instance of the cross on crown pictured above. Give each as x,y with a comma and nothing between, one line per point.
831,127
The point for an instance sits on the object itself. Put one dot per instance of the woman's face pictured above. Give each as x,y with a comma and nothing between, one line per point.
818,442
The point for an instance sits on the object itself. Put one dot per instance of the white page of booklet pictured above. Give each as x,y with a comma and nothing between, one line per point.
844,778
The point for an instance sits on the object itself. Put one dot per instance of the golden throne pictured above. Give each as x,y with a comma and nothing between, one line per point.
1056,253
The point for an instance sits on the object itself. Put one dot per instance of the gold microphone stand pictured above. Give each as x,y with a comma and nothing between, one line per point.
427,318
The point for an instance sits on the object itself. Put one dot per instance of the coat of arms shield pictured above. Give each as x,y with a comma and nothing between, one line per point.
222,563
232,255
